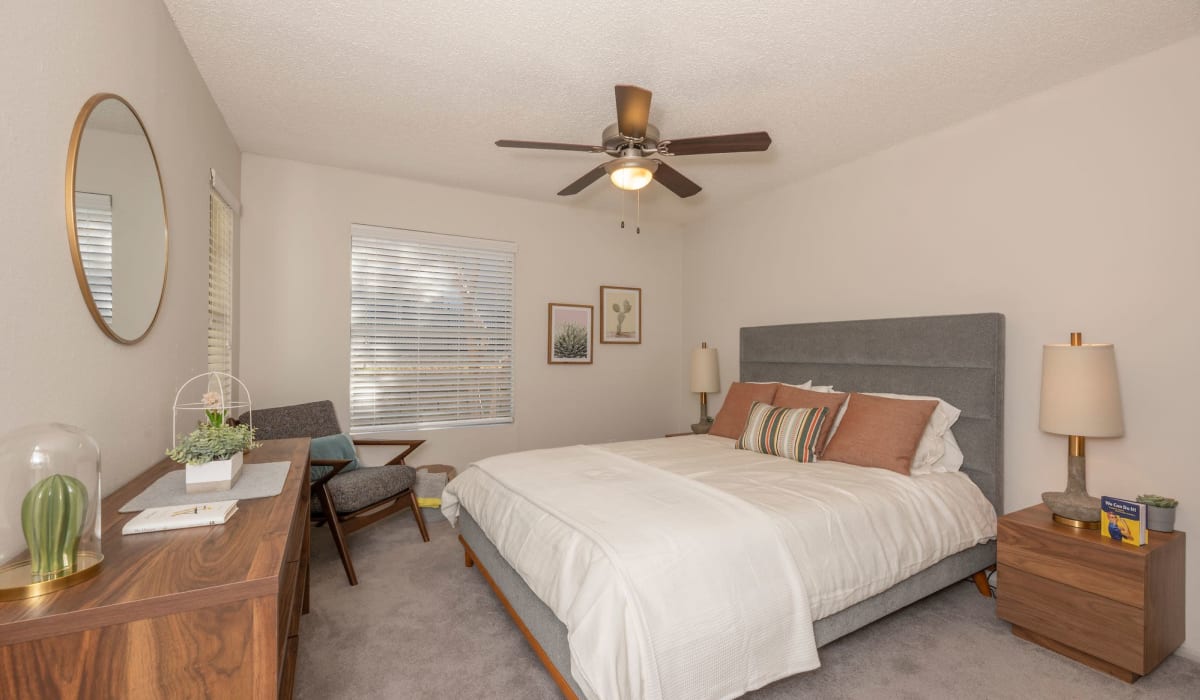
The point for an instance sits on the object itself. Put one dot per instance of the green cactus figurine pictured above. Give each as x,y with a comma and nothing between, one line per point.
52,518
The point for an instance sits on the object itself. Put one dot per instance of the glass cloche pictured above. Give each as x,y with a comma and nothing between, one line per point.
49,509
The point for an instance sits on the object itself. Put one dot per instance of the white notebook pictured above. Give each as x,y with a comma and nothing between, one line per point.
176,517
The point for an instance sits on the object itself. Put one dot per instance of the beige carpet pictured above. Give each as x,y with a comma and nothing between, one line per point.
420,625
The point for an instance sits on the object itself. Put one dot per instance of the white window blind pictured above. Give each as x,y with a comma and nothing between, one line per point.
431,330
220,288
93,230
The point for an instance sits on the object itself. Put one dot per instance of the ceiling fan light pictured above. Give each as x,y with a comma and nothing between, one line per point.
631,178
631,173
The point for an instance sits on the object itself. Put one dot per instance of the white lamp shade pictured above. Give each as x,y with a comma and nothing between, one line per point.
706,377
1080,393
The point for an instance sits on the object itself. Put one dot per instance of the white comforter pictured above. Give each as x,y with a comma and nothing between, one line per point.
705,586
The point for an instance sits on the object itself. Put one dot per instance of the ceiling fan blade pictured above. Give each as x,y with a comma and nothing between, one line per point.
507,143
674,180
633,110
727,143
578,186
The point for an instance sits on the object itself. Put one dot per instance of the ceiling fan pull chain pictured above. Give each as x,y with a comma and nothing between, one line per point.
621,196
639,212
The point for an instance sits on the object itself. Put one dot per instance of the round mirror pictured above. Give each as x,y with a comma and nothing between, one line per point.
116,218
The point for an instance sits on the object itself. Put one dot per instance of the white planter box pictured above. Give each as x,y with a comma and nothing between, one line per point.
220,475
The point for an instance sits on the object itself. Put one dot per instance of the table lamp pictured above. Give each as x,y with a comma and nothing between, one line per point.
706,379
1080,398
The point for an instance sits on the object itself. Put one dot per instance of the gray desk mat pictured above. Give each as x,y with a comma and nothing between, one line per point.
261,480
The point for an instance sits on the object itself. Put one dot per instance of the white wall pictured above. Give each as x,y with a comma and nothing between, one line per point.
1075,209
294,315
58,366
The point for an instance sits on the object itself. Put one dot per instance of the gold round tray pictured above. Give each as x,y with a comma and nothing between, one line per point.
14,578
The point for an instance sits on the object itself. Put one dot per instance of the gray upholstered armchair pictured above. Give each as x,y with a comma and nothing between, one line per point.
355,498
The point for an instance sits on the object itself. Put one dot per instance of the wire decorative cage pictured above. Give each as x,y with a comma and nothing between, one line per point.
222,382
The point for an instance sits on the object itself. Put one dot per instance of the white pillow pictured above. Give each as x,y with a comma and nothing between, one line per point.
932,447
805,385
952,460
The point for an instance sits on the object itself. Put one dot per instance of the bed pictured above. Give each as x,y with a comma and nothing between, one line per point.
958,358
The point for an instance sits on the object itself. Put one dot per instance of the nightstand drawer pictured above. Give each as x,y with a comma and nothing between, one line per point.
1106,568
1091,623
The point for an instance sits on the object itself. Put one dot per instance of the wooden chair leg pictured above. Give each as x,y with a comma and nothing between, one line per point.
335,528
980,578
416,509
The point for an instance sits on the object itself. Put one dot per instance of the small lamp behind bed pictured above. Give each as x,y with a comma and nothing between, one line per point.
706,379
1080,397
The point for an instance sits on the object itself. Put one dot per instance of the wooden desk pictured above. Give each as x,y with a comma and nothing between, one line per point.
1112,606
209,612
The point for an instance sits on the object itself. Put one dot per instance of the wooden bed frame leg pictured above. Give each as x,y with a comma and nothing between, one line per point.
981,582
555,674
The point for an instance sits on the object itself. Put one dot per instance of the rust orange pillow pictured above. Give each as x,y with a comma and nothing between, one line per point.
794,397
731,419
879,432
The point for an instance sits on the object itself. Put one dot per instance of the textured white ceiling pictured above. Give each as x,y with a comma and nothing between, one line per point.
422,89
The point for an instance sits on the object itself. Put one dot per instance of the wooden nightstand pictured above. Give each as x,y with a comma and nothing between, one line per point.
1116,608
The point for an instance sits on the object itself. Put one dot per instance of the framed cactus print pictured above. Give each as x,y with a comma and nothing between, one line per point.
621,315
569,334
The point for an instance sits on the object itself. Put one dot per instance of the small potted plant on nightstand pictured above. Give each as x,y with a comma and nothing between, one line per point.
1160,512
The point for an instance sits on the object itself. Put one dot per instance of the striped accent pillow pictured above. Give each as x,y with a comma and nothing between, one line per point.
790,433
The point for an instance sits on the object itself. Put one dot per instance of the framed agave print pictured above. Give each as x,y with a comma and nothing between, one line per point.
621,315
569,334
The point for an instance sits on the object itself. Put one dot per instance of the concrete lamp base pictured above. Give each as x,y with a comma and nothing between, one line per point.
1074,506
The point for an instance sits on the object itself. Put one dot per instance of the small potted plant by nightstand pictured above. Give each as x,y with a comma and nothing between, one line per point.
1160,512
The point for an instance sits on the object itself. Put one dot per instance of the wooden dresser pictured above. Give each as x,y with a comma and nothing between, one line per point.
1112,606
209,612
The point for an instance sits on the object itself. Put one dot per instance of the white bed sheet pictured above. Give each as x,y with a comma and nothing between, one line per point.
854,531
847,532
669,588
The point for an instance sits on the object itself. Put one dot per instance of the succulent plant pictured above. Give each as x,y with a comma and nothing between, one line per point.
52,520
1157,501
212,442
571,342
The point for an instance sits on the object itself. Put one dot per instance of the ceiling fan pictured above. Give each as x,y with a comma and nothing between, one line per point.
634,143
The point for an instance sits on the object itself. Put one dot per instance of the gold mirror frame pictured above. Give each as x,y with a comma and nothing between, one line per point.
72,233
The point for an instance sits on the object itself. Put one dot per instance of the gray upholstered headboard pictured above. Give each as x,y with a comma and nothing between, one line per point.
956,358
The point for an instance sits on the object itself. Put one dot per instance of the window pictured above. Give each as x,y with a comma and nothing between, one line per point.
220,288
93,230
431,330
